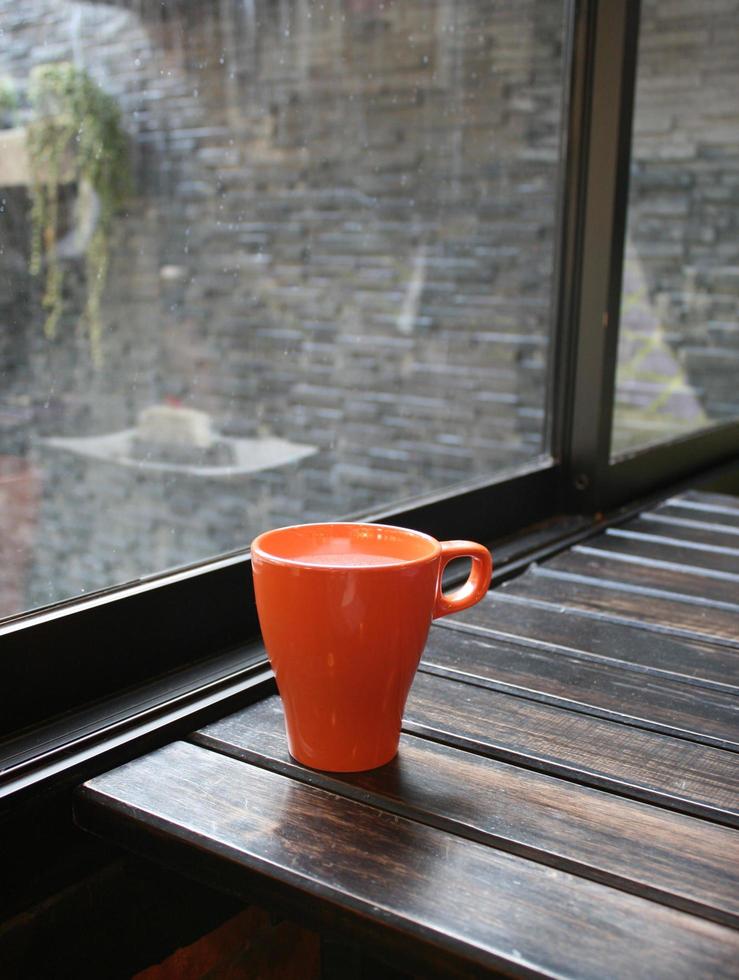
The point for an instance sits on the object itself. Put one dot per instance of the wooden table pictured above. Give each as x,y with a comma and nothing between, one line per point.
565,798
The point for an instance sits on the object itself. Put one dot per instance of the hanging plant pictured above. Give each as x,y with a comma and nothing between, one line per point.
8,103
76,135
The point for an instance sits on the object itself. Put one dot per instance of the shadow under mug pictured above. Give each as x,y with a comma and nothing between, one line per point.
345,611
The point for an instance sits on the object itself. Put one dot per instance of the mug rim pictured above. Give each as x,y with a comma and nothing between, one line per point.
257,548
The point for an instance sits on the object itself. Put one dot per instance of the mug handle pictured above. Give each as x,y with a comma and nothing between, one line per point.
476,585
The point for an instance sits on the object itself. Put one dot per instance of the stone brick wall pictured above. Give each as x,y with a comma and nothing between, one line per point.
679,342
342,234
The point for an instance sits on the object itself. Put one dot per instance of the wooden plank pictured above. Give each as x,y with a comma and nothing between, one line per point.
590,637
635,540
640,608
719,512
697,533
655,703
497,910
705,497
669,857
650,578
720,518
672,772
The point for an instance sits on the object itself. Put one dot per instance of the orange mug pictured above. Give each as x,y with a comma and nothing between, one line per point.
345,610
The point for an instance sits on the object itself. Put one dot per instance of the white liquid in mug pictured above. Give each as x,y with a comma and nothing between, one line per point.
347,559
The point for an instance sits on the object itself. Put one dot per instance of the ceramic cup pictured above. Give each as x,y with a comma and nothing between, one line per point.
345,611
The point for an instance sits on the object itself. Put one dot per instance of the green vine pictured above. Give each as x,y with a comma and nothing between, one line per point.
8,103
76,135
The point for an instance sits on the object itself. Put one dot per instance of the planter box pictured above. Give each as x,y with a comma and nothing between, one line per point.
15,167
14,164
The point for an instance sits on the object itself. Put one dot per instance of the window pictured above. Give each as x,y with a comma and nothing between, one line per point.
327,285
678,353
370,262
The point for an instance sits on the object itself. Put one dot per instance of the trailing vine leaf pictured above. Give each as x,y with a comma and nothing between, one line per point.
76,134
8,102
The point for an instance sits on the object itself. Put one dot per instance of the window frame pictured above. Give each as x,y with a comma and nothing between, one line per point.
593,481
90,682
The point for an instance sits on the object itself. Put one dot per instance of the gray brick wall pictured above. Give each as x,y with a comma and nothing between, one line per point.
342,235
679,343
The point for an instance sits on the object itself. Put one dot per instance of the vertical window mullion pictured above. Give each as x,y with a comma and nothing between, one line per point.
592,282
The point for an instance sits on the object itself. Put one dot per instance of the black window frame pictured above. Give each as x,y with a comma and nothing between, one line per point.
89,682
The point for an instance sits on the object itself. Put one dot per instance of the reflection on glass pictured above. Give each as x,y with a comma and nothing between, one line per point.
678,356
324,288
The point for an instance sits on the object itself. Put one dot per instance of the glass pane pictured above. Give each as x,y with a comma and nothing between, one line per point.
678,355
264,262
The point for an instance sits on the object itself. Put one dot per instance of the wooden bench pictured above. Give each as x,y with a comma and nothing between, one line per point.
566,795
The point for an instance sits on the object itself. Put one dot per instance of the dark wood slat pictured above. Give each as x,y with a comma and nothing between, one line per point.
673,772
648,577
678,860
589,637
497,909
654,547
701,534
705,497
655,703
715,511
719,517
666,615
